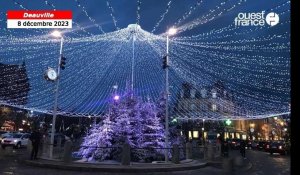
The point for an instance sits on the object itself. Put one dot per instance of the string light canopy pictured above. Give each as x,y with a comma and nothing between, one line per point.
252,62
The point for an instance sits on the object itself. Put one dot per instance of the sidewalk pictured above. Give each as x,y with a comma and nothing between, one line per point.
105,167
240,165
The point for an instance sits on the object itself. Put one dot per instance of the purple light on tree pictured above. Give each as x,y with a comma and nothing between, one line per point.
116,97
131,121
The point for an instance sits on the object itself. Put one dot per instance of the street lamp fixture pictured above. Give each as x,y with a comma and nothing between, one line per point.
172,31
56,34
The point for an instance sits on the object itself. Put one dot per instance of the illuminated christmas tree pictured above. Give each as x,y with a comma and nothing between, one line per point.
128,120
95,144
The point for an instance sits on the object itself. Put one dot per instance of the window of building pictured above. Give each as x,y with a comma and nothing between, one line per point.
204,107
195,134
193,107
205,135
214,107
181,93
203,93
226,135
232,135
193,93
214,95
266,120
186,106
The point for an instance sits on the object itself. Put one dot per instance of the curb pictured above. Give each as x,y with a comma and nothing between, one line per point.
247,168
112,168
244,168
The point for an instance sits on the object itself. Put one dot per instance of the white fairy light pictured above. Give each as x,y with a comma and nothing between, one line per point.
259,80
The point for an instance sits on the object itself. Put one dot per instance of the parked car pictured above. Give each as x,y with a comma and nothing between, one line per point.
4,135
254,144
267,146
3,132
248,144
235,143
15,140
212,138
260,145
277,147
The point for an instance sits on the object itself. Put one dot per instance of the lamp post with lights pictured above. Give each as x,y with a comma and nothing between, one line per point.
56,34
171,31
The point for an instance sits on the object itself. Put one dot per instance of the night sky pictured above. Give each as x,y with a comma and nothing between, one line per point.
201,53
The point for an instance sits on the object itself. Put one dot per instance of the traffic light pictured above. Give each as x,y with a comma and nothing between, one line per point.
62,63
165,62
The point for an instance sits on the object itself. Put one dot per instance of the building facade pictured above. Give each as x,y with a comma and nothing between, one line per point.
14,84
203,110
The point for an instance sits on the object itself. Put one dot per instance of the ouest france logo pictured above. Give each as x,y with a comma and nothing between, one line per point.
256,19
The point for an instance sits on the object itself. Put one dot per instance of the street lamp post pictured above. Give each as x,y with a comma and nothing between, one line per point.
56,34
203,139
171,31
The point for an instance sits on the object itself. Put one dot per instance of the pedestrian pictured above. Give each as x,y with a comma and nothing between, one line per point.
243,149
35,138
225,148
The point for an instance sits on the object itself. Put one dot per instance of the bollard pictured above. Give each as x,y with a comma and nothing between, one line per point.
58,142
29,148
218,150
126,154
238,161
40,151
46,143
175,155
201,150
45,148
210,152
67,152
188,150
205,152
